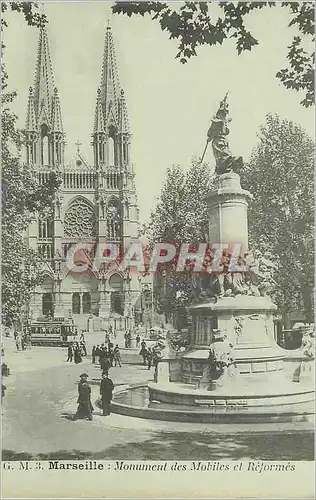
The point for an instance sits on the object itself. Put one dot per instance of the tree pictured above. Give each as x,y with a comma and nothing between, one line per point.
193,25
22,198
281,218
180,217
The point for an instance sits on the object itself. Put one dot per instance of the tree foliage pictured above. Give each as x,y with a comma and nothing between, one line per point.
181,216
22,198
281,218
193,25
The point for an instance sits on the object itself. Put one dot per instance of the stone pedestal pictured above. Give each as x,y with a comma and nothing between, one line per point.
162,372
248,323
228,205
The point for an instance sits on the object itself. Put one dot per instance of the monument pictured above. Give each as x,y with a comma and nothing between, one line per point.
233,361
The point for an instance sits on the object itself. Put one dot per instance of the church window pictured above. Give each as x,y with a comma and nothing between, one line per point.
86,303
125,152
80,220
45,229
44,146
114,219
76,303
101,151
111,146
47,304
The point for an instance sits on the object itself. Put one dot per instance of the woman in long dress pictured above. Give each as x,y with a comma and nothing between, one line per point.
77,355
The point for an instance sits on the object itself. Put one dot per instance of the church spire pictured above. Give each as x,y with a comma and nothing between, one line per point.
111,128
98,118
44,78
44,127
57,124
30,115
110,87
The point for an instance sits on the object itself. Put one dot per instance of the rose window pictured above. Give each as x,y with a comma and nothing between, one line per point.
80,220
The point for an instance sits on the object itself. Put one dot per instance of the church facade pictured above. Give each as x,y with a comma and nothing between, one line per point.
94,202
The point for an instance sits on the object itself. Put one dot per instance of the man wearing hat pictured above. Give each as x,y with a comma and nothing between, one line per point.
85,408
106,390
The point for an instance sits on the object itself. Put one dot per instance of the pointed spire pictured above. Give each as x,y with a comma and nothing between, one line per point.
98,119
44,79
57,124
123,115
109,78
30,116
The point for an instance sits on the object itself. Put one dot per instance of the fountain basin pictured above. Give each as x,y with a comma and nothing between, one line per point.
138,401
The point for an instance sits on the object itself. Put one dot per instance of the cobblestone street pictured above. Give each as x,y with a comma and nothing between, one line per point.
42,384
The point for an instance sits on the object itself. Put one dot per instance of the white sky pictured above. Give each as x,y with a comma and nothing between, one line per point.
170,104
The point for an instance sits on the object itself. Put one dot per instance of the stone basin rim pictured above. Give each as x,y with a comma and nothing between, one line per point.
185,415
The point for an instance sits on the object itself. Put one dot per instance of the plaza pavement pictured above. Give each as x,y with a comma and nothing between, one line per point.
41,392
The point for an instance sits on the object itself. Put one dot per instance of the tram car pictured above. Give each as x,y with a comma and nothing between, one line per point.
52,333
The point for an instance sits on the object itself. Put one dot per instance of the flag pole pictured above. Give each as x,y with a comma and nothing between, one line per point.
204,151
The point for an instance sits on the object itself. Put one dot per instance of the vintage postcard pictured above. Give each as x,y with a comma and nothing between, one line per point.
157,250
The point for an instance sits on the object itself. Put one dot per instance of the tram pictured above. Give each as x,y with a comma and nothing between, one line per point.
56,332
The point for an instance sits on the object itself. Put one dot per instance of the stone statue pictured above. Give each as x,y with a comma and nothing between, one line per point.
220,361
218,131
308,344
260,273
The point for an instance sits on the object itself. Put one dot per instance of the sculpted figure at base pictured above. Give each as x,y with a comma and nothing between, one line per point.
221,363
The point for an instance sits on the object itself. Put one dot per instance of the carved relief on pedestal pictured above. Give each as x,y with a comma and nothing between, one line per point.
251,327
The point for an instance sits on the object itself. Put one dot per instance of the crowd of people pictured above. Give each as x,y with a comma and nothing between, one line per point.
151,354
106,355
22,340
77,350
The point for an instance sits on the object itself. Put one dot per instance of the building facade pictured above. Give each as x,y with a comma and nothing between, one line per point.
94,203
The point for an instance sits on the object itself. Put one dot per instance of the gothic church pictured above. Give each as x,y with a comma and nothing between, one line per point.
94,202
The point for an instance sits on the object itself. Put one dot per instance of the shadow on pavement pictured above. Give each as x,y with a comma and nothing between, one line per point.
198,446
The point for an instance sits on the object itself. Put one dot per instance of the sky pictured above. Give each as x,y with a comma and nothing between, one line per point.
170,105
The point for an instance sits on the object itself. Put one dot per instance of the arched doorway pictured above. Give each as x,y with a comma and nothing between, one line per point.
86,303
117,295
47,304
76,303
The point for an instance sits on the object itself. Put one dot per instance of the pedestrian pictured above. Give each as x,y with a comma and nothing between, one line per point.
18,343
85,408
5,370
97,353
70,352
143,352
117,356
105,364
77,354
106,391
3,389
149,357
137,341
83,347
93,354
111,355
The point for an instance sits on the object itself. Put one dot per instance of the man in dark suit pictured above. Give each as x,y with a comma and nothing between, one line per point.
85,408
106,390
105,364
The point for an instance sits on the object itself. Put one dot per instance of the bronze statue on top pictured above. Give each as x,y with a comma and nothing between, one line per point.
217,135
